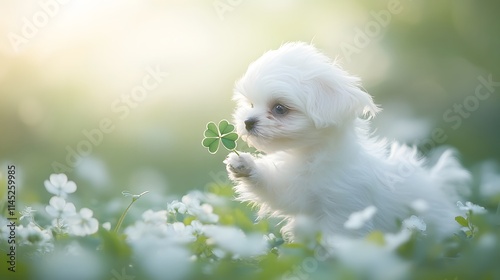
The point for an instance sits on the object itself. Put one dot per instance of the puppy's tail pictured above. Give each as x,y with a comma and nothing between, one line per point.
450,175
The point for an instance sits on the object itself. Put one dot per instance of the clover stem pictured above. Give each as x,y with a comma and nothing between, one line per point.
236,152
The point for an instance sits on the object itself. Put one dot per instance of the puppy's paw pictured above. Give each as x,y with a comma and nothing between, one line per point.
240,166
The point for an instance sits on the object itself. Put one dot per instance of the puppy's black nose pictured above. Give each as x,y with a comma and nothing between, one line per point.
250,123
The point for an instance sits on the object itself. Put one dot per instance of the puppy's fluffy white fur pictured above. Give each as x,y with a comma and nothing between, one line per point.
310,119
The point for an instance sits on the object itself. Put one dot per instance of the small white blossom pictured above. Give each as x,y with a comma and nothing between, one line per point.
180,233
234,241
141,230
60,226
73,261
358,219
204,212
59,185
162,260
469,206
177,207
83,223
33,235
190,201
414,222
152,225
152,217
197,227
393,241
106,226
27,213
59,208
367,260
420,205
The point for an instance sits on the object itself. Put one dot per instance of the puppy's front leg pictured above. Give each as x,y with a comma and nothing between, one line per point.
255,179
251,177
241,167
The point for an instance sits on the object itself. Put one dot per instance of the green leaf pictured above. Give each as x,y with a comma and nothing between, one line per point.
215,134
229,144
207,142
212,144
225,127
462,221
231,136
214,147
211,126
211,134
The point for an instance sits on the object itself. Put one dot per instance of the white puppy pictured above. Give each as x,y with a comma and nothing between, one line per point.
304,112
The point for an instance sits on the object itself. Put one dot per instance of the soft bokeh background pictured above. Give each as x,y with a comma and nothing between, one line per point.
82,57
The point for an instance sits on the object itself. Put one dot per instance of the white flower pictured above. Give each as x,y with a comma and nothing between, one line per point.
60,226
358,219
74,261
197,227
141,230
152,217
180,233
177,207
162,260
393,241
27,213
106,226
234,241
469,206
33,235
203,212
190,201
366,260
83,223
153,224
59,185
414,222
420,205
59,208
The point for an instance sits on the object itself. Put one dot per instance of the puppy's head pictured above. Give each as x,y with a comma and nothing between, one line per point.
289,96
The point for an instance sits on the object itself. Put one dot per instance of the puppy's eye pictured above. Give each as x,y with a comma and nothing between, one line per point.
279,110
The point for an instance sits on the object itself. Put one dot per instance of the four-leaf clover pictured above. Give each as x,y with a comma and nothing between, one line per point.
223,133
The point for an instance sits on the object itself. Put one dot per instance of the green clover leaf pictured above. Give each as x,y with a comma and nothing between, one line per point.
223,133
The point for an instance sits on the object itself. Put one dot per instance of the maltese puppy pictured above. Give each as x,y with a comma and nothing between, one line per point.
310,120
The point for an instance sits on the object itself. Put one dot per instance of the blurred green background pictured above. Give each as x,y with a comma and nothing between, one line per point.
67,67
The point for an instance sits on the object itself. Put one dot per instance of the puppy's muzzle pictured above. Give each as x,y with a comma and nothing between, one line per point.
250,124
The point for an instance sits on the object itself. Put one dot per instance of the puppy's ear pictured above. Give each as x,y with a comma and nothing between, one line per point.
336,97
